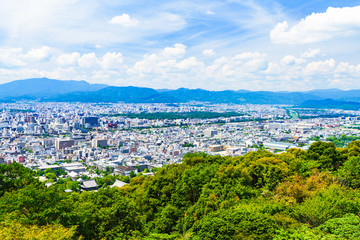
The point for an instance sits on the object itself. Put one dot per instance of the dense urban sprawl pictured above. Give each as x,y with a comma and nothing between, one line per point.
84,140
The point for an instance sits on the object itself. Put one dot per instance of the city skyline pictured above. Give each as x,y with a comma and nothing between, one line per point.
213,45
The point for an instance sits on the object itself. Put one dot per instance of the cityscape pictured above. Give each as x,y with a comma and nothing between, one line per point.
179,120
79,138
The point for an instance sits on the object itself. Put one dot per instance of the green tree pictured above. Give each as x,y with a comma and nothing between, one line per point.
235,223
50,176
74,185
105,214
303,233
326,154
10,230
132,174
350,172
268,172
15,176
333,202
347,227
32,204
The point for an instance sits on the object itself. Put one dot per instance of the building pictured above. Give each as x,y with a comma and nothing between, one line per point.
210,133
133,150
81,169
30,119
231,150
89,185
125,170
278,145
21,158
51,167
99,143
64,143
112,125
118,184
90,122
216,148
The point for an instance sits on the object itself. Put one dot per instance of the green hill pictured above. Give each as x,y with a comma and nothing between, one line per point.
299,194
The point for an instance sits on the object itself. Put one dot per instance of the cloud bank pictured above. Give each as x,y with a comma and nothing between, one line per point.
317,27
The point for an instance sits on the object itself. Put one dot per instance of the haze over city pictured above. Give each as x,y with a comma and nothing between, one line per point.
214,45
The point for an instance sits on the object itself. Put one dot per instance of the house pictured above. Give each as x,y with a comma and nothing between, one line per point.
125,170
89,185
51,167
73,175
118,183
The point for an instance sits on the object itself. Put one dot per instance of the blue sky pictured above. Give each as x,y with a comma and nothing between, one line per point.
215,45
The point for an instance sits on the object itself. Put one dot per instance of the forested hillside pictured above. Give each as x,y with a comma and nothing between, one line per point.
299,194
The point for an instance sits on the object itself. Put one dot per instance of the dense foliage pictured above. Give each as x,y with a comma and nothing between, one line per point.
343,140
299,194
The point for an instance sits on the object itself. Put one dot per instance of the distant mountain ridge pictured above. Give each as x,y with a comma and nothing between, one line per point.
44,87
80,91
115,94
239,97
182,95
337,94
330,103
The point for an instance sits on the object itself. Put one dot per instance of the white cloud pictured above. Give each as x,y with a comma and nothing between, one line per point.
208,52
124,20
274,69
68,58
291,60
38,54
190,63
162,63
319,26
311,53
176,51
348,69
320,67
15,57
88,60
175,66
251,61
243,67
168,68
250,55
111,60
11,57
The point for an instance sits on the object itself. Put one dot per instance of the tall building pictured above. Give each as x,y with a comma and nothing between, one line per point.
90,122
210,133
99,143
30,119
64,143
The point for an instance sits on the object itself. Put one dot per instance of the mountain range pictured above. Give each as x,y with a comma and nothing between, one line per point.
330,103
44,89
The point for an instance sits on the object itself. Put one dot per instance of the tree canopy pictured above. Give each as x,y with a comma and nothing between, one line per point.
298,194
